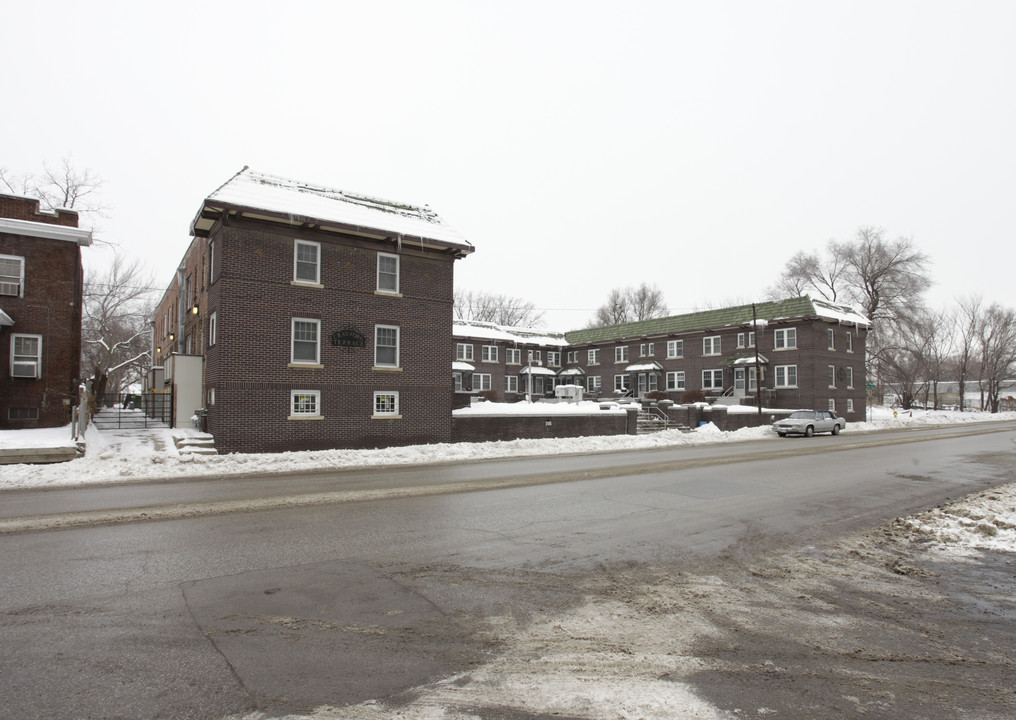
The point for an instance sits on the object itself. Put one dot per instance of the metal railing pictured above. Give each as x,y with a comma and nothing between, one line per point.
133,410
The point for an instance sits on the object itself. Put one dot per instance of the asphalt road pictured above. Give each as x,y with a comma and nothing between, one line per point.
280,594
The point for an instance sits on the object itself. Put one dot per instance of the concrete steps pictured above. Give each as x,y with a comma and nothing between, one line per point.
201,444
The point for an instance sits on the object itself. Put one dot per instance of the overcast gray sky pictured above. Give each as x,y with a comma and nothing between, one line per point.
579,146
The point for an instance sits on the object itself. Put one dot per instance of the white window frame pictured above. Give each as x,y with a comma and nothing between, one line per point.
620,354
482,382
464,352
6,280
23,359
213,329
830,339
293,340
573,357
675,349
553,358
621,383
511,383
850,342
710,345
391,412
457,381
832,375
850,405
712,375
211,262
297,244
850,378
785,339
675,380
832,405
513,356
298,410
377,345
488,353
593,356
594,383
783,373
397,274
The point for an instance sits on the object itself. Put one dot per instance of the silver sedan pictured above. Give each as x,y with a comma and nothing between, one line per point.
809,422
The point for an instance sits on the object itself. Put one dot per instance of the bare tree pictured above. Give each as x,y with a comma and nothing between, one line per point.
498,309
631,305
116,335
997,342
66,186
966,327
809,273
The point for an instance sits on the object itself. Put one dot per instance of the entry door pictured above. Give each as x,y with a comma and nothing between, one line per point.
642,384
738,382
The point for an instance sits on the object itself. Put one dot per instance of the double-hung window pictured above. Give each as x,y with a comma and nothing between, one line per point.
12,275
620,383
511,383
212,329
386,346
675,348
553,358
712,379
831,339
621,354
594,383
850,378
675,380
711,345
464,352
513,356
488,353
785,339
305,403
850,342
593,357
481,382
387,273
26,356
786,376
307,262
306,342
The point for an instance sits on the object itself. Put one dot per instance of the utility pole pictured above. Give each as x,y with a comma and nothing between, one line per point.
758,365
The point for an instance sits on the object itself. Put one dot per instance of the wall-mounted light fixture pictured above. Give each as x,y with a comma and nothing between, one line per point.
172,336
194,310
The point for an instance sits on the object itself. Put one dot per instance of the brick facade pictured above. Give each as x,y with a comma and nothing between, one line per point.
45,311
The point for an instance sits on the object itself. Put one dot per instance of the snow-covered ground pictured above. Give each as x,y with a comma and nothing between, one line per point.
119,456
619,655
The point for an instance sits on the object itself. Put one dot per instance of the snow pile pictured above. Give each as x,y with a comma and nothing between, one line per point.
983,521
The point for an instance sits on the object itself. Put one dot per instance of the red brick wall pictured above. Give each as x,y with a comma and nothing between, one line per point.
51,307
484,428
248,367
21,208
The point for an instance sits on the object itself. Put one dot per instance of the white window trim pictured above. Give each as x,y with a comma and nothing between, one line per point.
850,405
515,353
850,342
398,347
297,415
850,378
672,349
488,353
784,333
712,376
317,266
594,383
832,375
620,354
511,383
292,344
464,352
623,385
593,357
678,378
21,276
786,385
714,346
398,275
36,363
830,339
213,329
395,414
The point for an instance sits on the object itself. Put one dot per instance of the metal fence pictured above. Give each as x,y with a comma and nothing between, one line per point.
133,410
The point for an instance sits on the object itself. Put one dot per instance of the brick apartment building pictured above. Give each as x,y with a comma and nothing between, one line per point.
323,318
810,354
41,285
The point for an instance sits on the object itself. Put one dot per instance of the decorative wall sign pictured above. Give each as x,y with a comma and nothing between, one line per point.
348,338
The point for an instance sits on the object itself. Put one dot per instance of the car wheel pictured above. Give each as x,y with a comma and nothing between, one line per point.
836,429
809,431
782,434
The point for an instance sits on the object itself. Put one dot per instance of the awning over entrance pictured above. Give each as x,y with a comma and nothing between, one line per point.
644,367
571,372
462,367
536,370
5,319
749,360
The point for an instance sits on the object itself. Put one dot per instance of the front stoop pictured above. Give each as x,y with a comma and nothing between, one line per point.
203,444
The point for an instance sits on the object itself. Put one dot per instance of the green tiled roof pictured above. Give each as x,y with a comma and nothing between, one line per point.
801,307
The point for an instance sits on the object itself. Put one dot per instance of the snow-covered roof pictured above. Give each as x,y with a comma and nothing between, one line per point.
319,205
5,319
490,331
750,360
45,230
840,313
536,370
462,366
644,367
571,372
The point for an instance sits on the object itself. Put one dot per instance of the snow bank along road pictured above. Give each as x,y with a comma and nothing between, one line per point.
172,499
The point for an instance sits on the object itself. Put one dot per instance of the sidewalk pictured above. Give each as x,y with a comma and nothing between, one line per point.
48,445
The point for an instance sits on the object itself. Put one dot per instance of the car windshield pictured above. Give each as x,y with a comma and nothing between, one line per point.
802,415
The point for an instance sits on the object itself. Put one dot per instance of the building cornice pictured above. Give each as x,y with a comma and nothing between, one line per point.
44,230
